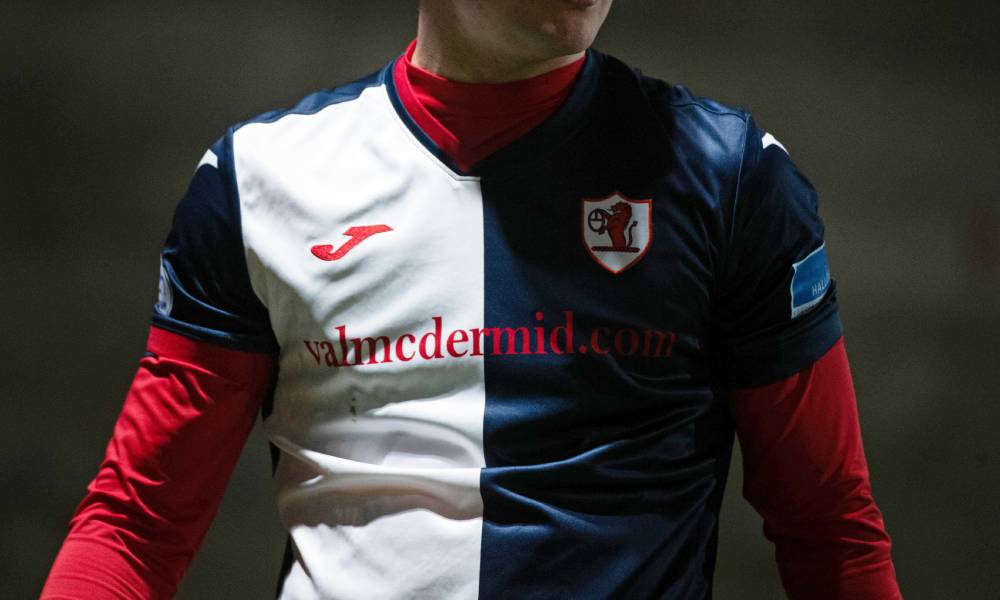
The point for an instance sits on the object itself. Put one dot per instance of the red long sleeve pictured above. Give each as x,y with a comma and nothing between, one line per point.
805,473
176,442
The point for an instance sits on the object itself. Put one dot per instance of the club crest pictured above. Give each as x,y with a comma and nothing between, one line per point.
617,231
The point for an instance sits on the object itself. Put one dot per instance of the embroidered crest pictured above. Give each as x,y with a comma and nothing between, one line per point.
616,230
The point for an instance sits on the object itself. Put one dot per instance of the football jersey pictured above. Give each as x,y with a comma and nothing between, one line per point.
506,381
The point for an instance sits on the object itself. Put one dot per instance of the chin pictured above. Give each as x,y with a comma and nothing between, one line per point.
572,30
560,39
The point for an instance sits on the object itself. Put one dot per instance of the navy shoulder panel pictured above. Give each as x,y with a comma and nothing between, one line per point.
317,101
682,96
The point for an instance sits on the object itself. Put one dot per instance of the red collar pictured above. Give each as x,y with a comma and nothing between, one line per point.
470,121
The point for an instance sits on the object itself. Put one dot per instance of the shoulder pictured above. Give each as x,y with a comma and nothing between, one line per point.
699,129
259,147
702,125
317,101
318,110
315,130
677,101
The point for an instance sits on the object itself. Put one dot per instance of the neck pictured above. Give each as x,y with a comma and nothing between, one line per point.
444,50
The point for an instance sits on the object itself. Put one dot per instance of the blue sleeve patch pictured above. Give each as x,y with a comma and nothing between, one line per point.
165,298
810,281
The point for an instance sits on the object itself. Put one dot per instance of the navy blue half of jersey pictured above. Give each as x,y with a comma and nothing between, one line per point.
605,470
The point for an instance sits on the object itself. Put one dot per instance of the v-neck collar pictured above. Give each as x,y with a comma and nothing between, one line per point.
528,148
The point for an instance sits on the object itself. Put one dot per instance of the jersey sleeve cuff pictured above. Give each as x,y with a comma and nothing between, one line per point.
232,341
756,364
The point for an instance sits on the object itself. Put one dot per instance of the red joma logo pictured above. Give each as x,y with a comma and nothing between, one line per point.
357,235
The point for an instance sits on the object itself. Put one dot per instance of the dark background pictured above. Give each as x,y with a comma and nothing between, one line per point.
890,107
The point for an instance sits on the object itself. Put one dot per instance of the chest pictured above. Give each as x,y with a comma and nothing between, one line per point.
399,292
369,266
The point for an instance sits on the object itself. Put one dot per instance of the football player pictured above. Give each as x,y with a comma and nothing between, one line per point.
502,306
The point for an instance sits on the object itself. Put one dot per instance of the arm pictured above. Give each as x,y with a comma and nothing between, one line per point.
180,432
781,352
805,473
209,364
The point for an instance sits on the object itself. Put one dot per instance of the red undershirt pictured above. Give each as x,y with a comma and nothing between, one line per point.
470,121
192,405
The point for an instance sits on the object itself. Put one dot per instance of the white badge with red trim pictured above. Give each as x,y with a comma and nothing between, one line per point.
617,230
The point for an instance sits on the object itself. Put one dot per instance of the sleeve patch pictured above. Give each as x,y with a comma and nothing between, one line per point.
165,298
810,281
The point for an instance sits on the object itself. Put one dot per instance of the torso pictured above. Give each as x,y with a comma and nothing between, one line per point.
504,386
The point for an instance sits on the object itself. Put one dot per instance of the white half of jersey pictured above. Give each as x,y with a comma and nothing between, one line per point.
378,477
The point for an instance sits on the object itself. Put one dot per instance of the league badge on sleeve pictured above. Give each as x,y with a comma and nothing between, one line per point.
617,230
165,297
810,281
